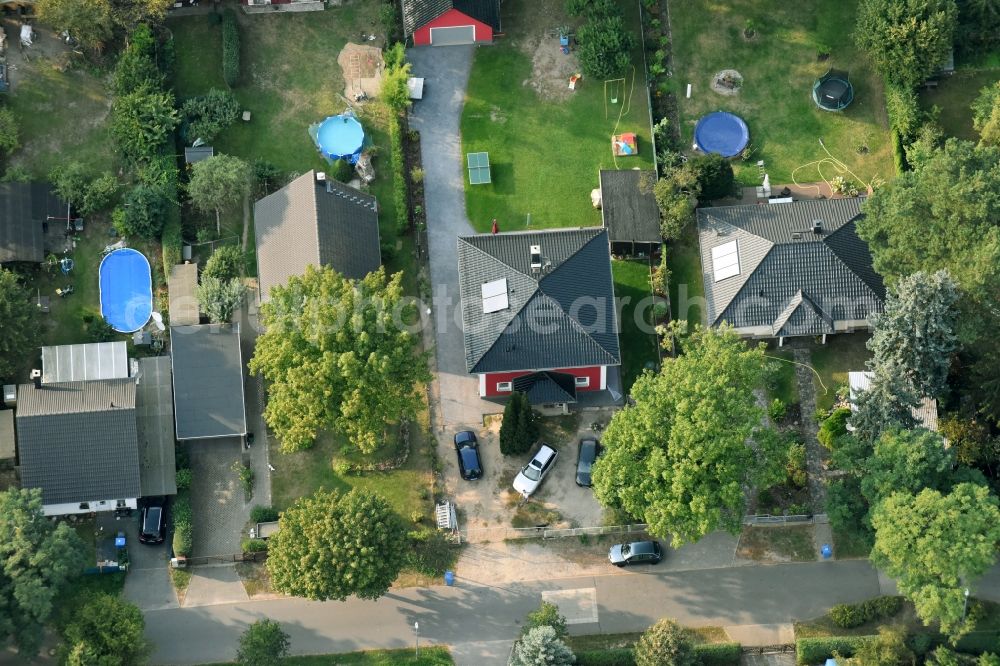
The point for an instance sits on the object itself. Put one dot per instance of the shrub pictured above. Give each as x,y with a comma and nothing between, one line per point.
795,465
230,48
136,67
604,45
817,650
342,171
210,113
143,213
718,654
225,263
715,176
417,175
183,527
399,194
183,479
666,642
547,615
517,437
898,153
8,131
776,410
833,426
254,545
903,109
430,552
613,657
171,238
99,194
263,514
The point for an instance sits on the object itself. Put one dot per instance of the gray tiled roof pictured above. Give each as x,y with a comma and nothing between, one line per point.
323,224
560,317
418,13
547,387
208,381
629,209
77,440
24,208
791,279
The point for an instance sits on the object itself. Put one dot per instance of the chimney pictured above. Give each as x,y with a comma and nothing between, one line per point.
320,177
536,257
36,377
817,226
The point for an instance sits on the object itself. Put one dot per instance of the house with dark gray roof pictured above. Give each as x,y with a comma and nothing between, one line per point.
25,211
319,221
207,367
788,269
450,22
539,317
77,442
629,211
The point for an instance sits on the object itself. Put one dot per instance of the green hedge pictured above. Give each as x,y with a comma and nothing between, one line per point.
898,153
718,654
817,650
616,657
230,48
979,642
848,616
183,525
399,197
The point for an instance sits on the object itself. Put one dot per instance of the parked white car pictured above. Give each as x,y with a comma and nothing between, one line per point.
531,475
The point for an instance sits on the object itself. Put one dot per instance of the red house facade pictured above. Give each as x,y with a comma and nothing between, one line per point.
539,316
450,22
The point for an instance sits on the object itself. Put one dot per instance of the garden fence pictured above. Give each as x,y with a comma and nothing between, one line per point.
485,534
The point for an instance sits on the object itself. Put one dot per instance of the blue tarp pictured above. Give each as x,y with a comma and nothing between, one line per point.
721,133
341,138
126,290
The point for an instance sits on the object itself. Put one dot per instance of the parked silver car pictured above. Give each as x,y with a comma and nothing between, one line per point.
531,475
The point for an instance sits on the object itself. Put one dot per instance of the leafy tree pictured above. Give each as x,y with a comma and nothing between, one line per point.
394,91
509,444
914,336
331,546
82,654
220,298
887,404
846,507
37,560
988,659
88,21
225,263
907,461
264,643
906,40
986,115
8,131
935,545
978,26
541,646
665,643
100,194
682,456
676,194
888,649
210,113
136,67
69,181
19,330
142,121
971,441
715,176
903,108
111,629
129,13
527,424
603,47
144,212
336,355
547,615
219,182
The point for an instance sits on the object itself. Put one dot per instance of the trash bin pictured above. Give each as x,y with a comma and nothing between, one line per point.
826,551
449,578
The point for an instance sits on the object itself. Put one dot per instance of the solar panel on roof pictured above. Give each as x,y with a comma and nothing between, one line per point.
495,296
726,260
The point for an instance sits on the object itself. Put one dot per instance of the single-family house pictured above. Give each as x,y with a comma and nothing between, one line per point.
25,212
450,22
629,211
539,317
207,367
788,269
319,221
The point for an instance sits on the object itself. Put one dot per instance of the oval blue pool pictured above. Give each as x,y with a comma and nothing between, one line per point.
721,133
126,290
341,138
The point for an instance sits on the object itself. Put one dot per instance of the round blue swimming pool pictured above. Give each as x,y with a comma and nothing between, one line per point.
126,290
721,133
341,138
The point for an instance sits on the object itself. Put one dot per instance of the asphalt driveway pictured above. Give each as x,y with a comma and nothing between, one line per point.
147,583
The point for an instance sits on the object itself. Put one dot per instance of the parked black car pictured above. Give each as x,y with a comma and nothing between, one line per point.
152,522
637,552
586,454
467,449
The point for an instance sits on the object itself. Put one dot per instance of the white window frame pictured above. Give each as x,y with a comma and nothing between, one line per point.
505,387
581,382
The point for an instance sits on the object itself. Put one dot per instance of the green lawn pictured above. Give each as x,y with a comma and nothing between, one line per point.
841,354
545,154
638,346
954,96
789,543
687,290
290,80
779,66
61,116
429,656
783,384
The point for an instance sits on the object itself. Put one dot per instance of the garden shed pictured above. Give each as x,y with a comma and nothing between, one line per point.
450,22
629,211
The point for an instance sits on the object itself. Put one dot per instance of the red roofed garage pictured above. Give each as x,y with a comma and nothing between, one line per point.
450,22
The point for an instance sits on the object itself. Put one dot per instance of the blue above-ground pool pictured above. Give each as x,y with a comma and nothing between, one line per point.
341,138
721,133
126,290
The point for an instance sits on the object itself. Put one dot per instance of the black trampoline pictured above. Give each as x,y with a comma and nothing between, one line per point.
833,91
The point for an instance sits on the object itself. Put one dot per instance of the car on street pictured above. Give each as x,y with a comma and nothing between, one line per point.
531,475
467,450
637,552
586,454
152,522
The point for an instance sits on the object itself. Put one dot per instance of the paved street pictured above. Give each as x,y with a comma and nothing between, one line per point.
489,616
